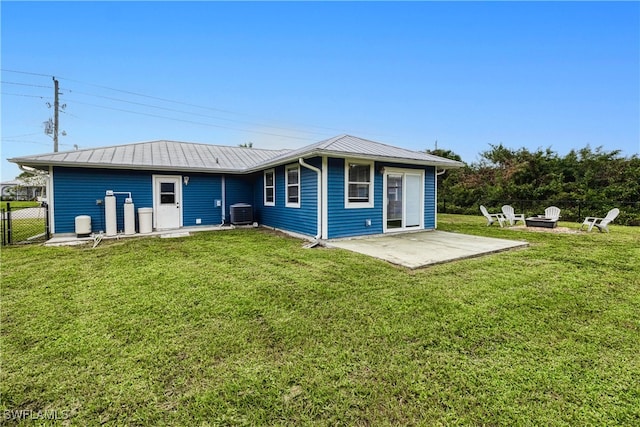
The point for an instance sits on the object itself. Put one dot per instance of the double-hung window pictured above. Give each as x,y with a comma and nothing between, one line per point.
292,184
359,184
269,188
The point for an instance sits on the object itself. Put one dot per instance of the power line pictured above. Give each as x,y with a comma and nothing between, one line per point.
27,141
69,114
20,136
24,72
149,96
23,84
306,125
25,95
182,111
191,121
193,105
171,109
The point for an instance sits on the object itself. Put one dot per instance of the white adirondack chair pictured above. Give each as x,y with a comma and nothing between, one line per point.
511,216
552,212
490,217
601,223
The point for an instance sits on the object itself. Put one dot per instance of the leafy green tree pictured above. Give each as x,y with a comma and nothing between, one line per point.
596,180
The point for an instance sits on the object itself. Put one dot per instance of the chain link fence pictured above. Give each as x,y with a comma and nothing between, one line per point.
24,224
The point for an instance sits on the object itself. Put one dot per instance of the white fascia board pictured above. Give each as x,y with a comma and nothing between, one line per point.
452,164
41,165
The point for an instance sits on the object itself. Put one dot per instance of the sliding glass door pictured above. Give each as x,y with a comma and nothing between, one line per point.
404,198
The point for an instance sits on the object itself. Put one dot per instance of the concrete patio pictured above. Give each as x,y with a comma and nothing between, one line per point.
419,249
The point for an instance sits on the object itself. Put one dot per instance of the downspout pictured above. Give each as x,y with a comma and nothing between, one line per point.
435,184
319,202
224,191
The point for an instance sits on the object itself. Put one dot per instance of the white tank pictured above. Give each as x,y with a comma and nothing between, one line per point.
83,225
110,217
145,219
129,217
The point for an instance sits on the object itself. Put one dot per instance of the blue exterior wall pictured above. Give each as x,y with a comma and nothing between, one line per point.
238,189
302,220
351,222
199,199
76,190
430,198
345,222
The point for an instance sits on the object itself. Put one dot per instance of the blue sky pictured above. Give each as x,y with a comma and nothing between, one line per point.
283,75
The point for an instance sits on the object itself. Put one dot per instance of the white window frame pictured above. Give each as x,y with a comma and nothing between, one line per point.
358,205
287,168
404,172
272,186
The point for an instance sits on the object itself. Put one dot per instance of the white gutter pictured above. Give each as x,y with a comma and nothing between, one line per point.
31,170
449,164
319,202
435,210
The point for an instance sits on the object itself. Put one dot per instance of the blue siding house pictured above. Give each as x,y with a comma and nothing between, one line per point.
341,187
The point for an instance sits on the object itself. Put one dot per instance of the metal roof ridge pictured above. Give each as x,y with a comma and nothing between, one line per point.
157,141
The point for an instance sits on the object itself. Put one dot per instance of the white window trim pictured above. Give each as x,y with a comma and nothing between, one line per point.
273,172
286,185
403,172
358,205
155,194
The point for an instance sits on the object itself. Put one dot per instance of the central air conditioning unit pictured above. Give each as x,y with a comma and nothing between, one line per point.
241,213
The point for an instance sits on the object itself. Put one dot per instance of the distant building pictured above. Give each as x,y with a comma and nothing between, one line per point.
19,189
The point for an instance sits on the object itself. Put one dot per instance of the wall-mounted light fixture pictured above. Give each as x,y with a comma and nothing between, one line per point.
381,170
185,179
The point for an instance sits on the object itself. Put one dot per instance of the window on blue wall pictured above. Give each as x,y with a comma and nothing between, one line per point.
292,183
359,184
269,188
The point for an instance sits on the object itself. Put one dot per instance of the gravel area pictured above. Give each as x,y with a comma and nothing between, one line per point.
557,230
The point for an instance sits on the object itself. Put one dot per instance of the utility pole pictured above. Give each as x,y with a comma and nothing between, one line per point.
55,115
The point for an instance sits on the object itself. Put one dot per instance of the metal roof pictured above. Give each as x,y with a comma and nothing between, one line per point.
353,146
157,155
185,156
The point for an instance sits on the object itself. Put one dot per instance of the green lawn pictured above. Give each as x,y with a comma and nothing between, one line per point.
25,228
246,327
28,229
3,204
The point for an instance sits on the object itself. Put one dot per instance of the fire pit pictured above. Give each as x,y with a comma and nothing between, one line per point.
539,221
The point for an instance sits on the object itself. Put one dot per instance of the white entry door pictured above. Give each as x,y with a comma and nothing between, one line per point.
404,199
167,200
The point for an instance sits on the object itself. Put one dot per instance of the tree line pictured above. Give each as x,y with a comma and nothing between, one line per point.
585,182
